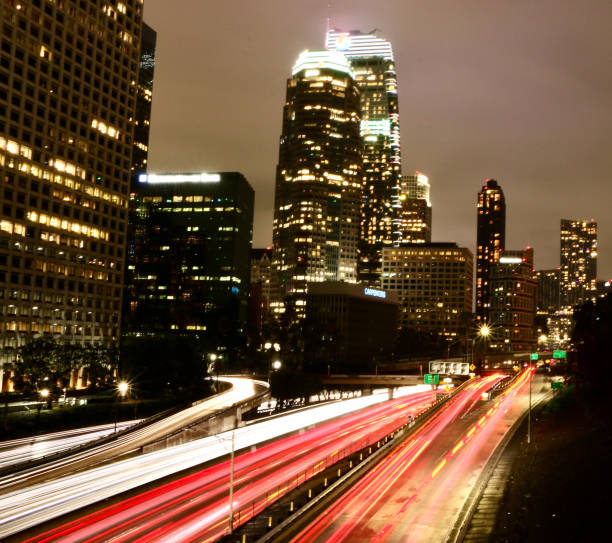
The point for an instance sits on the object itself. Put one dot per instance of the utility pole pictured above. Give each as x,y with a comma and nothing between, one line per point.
231,489
529,414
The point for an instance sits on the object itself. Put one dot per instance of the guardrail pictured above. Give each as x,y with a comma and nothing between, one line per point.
28,464
389,442
471,503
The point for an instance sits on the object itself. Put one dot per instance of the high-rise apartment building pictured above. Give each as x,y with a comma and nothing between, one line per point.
548,299
67,104
144,95
490,240
434,285
414,212
578,261
318,179
512,297
372,61
189,260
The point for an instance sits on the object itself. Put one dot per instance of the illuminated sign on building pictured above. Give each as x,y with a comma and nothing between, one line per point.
510,260
179,178
374,292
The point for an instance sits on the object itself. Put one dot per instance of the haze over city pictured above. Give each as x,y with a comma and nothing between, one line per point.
518,91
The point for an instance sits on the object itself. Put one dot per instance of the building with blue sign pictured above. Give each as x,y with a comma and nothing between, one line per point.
360,321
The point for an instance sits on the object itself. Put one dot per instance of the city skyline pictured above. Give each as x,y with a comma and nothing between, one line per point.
534,122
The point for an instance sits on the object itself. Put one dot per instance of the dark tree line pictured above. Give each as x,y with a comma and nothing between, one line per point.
592,341
43,362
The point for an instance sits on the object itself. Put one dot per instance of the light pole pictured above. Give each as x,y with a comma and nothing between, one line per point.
231,489
529,413
122,389
483,333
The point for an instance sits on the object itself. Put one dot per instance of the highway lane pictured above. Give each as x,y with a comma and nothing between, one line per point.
416,493
18,451
22,509
196,507
241,389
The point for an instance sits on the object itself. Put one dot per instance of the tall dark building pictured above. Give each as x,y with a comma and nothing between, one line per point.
189,263
578,261
512,302
548,299
318,179
490,240
372,61
144,94
67,106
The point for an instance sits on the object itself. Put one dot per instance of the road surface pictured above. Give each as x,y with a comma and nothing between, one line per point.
416,493
22,509
18,451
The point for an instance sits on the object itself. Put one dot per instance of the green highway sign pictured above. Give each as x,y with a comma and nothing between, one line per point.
533,356
432,378
556,384
559,354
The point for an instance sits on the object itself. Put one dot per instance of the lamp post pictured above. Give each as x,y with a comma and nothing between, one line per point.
529,413
122,388
214,367
231,489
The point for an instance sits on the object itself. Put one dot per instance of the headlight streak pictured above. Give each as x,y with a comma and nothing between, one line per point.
359,500
173,457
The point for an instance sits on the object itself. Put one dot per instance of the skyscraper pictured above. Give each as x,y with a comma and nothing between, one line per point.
318,181
190,261
578,261
67,105
434,283
144,95
414,213
372,61
512,302
490,240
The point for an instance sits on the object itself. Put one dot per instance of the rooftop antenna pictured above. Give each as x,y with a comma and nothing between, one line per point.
329,6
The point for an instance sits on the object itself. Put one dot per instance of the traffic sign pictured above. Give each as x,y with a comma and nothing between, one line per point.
559,354
432,379
533,356
472,367
556,384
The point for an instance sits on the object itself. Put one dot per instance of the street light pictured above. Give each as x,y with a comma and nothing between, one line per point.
483,333
122,388
276,365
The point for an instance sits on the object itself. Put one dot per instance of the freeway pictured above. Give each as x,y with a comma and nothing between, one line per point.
416,493
18,451
23,509
241,389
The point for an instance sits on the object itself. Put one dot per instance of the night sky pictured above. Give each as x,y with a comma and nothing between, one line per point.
518,90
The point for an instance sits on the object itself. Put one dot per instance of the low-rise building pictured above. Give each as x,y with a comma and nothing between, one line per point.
352,326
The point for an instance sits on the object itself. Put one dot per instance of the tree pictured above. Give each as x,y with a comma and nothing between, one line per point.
35,362
592,339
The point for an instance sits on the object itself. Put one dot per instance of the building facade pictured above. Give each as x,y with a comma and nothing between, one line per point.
189,260
372,61
318,179
548,298
357,324
512,308
67,106
578,261
433,282
490,241
414,212
144,96
260,289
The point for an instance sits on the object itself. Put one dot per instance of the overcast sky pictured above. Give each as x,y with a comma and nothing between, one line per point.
518,90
